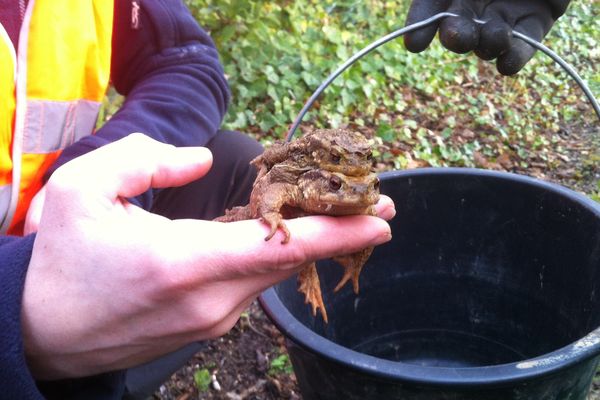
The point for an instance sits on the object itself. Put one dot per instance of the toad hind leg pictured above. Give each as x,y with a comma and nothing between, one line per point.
308,283
352,264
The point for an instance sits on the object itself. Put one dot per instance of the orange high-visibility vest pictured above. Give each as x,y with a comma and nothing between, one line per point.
51,89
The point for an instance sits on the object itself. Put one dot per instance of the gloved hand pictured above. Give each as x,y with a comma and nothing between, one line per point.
491,40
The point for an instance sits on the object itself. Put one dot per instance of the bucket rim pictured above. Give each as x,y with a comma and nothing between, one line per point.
567,356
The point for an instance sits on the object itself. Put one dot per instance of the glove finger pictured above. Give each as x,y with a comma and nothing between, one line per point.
459,34
420,10
494,39
519,52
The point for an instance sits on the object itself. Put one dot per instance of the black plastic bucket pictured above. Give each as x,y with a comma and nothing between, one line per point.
489,289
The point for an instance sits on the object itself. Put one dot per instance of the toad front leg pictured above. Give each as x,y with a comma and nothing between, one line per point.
268,207
275,221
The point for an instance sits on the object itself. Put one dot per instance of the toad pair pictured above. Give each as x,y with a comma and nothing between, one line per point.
328,172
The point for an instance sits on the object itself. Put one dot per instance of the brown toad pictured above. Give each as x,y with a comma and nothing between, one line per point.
336,150
298,185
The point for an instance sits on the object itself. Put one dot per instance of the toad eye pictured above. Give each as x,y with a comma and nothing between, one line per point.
369,156
335,183
335,158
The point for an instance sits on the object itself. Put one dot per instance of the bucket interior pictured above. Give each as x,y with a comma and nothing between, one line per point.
483,269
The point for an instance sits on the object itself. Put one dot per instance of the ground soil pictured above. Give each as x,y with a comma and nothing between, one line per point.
239,363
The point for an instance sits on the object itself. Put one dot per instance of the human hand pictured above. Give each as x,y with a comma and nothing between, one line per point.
110,285
492,40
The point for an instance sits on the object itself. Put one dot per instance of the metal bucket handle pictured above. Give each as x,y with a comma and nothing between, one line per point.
568,68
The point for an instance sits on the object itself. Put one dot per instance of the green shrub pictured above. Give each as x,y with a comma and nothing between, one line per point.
416,106
276,54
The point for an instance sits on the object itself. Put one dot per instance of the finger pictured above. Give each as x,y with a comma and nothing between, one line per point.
460,34
519,52
311,239
385,208
494,39
238,248
132,165
420,10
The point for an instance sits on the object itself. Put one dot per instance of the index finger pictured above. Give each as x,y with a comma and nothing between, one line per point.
237,249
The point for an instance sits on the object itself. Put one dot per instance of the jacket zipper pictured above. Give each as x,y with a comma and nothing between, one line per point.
135,14
22,6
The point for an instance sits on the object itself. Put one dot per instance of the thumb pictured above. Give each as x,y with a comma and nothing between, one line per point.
132,165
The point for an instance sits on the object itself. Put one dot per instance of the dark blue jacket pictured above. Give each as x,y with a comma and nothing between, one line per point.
176,92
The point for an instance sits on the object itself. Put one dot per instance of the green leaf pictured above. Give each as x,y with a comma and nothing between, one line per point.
281,365
386,132
412,124
227,33
271,74
309,79
202,379
332,34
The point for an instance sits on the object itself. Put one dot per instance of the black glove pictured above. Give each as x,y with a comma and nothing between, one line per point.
533,18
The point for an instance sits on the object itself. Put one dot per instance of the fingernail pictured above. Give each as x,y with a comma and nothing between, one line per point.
197,154
383,237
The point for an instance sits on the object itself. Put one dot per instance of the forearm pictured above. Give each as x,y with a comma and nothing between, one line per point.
175,88
170,73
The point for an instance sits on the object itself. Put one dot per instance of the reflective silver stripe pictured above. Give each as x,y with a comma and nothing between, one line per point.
53,125
5,192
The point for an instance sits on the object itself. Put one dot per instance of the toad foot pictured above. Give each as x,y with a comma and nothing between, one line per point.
309,284
352,264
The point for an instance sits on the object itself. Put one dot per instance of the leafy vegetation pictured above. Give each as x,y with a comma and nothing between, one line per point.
202,379
281,365
435,108
415,105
